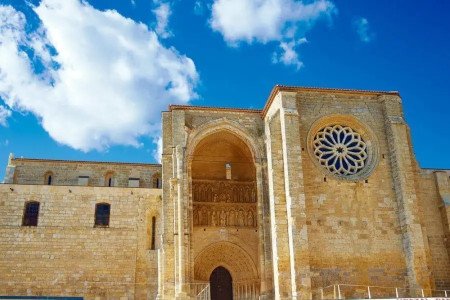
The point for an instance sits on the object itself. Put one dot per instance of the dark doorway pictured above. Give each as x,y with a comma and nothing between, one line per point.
221,284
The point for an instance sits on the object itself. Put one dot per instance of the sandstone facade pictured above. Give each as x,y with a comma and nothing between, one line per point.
320,187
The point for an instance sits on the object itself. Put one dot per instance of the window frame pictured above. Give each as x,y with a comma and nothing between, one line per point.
102,220
48,178
28,217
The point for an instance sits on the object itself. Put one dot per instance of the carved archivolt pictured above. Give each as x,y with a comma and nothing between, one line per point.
228,255
224,203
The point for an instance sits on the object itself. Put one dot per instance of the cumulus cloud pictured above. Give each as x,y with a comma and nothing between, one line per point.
162,13
263,21
4,115
93,78
362,29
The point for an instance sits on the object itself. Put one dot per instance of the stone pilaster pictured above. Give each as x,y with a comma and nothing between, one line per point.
287,200
295,195
402,168
174,249
166,259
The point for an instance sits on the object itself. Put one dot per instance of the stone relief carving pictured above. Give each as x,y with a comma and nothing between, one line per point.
224,203
223,191
218,215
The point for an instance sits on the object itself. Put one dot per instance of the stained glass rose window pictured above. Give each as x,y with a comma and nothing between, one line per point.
340,149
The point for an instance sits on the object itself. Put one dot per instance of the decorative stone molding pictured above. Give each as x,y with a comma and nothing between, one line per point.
228,255
224,203
221,124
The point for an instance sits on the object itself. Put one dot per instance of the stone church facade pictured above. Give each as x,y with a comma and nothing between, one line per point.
320,187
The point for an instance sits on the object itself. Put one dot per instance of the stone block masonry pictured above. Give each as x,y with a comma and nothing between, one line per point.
66,255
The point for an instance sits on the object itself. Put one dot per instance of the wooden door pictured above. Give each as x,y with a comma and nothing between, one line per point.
221,284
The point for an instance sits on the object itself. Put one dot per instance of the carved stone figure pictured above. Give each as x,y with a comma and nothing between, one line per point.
223,218
213,218
231,218
250,218
241,218
195,216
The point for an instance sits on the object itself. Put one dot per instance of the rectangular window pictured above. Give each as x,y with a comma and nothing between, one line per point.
83,180
102,212
133,182
153,232
31,214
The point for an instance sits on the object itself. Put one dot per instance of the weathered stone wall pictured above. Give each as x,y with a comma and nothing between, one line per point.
33,171
66,255
434,219
389,227
354,232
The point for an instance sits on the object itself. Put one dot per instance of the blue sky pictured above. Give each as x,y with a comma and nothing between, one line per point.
87,80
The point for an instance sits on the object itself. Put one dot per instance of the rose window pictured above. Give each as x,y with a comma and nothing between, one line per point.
340,150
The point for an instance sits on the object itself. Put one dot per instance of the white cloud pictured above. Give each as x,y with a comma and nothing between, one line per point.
4,115
362,29
287,55
162,13
157,152
263,21
107,82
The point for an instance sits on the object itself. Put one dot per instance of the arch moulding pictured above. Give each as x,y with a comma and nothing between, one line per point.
229,255
218,125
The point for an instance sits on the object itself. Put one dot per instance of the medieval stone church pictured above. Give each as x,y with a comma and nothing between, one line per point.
318,195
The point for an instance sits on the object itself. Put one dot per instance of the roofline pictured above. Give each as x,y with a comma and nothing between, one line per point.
83,161
286,88
226,109
436,169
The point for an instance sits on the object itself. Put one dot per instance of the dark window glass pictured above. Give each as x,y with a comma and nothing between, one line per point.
102,211
156,182
30,214
49,180
110,181
153,232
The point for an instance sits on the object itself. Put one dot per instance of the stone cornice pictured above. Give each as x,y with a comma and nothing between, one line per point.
21,159
212,108
284,88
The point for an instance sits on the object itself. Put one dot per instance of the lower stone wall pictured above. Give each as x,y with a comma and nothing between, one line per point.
354,233
432,219
65,255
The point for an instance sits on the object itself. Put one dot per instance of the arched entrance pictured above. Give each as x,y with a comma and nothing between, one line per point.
221,284
224,197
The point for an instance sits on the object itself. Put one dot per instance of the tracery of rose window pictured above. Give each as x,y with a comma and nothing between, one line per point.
340,150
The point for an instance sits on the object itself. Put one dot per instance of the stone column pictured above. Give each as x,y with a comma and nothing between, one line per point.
402,168
179,223
287,200
265,257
